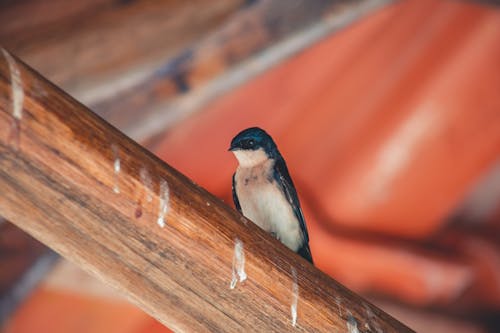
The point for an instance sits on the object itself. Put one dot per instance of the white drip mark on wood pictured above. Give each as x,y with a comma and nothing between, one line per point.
117,167
238,271
244,220
38,89
352,324
164,201
338,301
371,316
17,86
148,184
17,97
295,297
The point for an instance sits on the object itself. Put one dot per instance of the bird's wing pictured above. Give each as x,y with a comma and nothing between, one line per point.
235,196
283,179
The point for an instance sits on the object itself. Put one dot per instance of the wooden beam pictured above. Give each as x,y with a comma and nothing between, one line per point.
98,198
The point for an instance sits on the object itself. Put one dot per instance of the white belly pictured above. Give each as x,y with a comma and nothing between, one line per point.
262,202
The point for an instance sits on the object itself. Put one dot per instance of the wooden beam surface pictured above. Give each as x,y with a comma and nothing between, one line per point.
98,198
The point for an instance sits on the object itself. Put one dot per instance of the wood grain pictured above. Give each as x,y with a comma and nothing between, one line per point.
60,182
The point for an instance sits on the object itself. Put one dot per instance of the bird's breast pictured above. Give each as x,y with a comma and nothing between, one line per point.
263,202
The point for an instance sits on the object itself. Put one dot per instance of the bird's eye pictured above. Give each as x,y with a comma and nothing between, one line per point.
251,142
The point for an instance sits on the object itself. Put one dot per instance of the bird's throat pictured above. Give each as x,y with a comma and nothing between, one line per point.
250,158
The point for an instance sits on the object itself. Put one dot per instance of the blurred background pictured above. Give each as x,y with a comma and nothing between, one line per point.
387,112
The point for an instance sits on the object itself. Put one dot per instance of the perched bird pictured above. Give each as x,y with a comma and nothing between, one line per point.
264,192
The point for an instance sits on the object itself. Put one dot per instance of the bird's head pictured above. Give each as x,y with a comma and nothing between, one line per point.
253,146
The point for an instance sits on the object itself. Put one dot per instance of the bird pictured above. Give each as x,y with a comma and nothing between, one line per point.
263,190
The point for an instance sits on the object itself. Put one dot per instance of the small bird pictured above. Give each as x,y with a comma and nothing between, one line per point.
264,192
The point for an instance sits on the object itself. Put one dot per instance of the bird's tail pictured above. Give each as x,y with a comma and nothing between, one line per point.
305,252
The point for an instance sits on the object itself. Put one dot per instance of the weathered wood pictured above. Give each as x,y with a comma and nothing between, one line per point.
98,198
